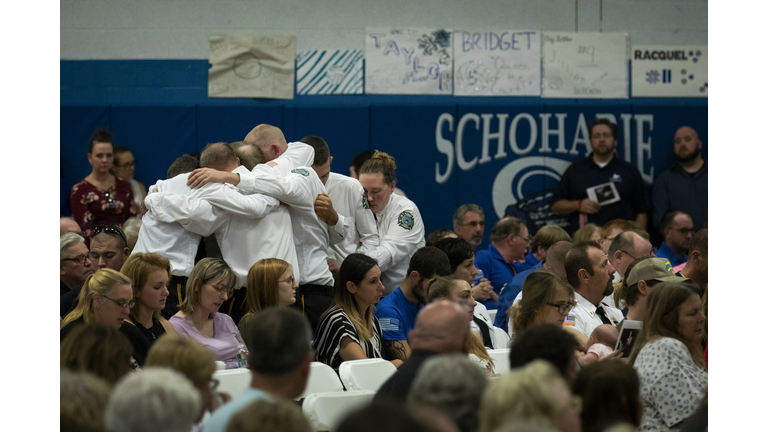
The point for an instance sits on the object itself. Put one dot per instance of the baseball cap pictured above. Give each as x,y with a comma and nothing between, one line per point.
654,269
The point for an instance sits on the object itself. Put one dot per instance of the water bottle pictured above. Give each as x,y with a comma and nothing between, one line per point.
479,276
242,356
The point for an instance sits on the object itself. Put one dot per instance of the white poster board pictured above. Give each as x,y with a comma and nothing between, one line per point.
585,65
408,61
323,72
256,66
497,63
669,71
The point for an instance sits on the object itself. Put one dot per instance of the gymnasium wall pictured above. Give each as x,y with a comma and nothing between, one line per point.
139,68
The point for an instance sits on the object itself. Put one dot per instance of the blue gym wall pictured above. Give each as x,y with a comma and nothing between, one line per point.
139,68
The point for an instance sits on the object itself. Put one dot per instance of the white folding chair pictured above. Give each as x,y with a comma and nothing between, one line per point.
502,337
500,359
233,381
326,411
492,313
322,378
366,374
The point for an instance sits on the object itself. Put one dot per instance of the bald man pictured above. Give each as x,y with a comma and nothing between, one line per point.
68,225
553,263
441,328
684,185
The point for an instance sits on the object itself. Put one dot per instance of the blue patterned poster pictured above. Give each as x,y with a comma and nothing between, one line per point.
323,72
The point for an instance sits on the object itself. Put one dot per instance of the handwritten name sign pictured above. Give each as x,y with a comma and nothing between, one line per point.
497,63
584,65
408,61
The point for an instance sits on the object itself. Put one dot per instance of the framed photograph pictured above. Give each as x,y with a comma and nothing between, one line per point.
605,193
628,331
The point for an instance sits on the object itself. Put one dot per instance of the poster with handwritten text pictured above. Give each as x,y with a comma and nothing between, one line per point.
669,71
408,61
497,63
254,66
585,65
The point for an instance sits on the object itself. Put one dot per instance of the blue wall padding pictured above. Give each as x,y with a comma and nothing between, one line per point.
160,109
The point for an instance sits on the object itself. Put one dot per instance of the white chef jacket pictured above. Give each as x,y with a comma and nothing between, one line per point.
312,235
482,312
297,155
401,233
584,319
168,239
347,196
247,227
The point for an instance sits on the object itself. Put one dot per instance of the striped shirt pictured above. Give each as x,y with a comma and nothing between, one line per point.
335,325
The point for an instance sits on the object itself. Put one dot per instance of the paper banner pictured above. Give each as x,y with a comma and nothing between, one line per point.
497,63
252,66
584,65
669,71
320,72
408,61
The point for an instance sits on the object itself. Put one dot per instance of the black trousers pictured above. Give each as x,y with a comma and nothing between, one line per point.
177,291
235,306
313,300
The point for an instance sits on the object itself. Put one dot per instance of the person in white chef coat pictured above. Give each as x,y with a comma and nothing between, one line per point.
398,220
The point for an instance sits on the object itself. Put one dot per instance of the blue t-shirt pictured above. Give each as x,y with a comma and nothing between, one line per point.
397,315
665,252
496,269
508,297
220,419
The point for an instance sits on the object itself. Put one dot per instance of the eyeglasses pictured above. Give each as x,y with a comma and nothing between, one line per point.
563,307
222,290
122,303
109,230
603,135
528,239
80,259
213,384
474,224
291,280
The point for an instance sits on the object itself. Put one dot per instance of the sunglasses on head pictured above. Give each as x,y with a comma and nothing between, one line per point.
109,230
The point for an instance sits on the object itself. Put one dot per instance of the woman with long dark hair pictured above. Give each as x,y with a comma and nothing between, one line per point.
348,330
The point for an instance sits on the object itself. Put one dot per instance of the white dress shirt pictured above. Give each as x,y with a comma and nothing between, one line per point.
247,227
347,196
584,319
312,235
401,233
168,239
297,155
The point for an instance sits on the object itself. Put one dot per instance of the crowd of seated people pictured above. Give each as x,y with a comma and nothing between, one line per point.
149,313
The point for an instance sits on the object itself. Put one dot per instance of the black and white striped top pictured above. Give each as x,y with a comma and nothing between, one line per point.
333,327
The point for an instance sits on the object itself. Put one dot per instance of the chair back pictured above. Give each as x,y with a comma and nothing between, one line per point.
500,359
322,378
233,381
366,374
327,410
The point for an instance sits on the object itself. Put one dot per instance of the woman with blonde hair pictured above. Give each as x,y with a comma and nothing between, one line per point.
458,290
398,220
107,298
150,274
210,284
535,392
195,361
270,283
348,330
668,356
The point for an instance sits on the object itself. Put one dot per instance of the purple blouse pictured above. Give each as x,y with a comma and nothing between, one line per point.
225,338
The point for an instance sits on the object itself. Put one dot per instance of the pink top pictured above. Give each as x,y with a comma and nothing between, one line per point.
225,338
600,349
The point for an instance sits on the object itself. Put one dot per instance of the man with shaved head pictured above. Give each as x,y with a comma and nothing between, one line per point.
684,185
441,328
553,263
68,225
